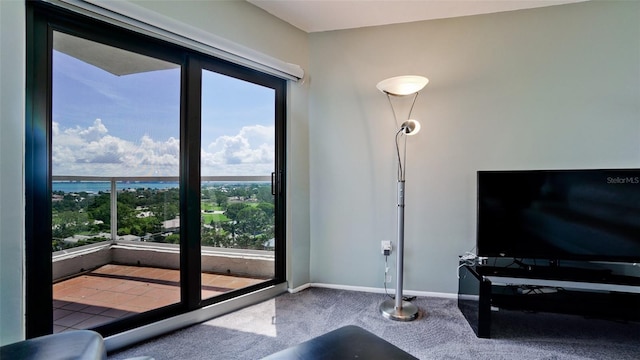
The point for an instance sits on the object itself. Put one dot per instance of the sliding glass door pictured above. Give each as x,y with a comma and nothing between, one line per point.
238,158
153,177
115,170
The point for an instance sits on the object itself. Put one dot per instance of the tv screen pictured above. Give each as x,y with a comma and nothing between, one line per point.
560,214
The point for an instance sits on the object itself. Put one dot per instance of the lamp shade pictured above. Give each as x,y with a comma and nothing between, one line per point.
403,85
411,127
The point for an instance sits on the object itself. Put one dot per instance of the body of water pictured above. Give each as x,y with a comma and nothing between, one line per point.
105,186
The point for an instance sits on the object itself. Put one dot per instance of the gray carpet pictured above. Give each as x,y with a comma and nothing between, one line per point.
440,333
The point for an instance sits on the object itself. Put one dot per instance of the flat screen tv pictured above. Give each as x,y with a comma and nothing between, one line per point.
591,215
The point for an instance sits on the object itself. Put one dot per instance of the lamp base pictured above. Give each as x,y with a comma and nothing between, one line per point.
408,312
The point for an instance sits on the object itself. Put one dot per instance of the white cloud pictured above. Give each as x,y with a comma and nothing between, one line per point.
250,152
92,151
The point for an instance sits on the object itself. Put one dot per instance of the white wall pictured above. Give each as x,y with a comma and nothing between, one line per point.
548,88
12,69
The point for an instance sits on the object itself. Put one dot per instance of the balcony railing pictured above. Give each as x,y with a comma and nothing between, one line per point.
117,249
113,180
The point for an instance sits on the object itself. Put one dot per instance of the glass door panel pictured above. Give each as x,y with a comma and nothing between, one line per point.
115,171
237,205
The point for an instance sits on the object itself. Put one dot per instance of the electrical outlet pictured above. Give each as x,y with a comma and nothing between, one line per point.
386,247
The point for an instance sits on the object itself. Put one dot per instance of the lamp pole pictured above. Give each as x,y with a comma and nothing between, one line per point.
400,246
399,309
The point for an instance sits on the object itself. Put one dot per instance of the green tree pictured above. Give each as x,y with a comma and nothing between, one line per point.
128,198
215,237
252,221
165,211
233,209
173,239
239,191
263,194
221,198
231,228
268,208
205,194
100,208
126,216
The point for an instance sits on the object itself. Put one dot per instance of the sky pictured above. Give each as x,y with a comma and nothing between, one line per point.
128,125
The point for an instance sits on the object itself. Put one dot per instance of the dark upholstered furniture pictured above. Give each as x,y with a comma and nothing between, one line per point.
71,345
349,342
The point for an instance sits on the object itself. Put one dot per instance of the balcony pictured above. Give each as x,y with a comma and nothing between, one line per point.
124,275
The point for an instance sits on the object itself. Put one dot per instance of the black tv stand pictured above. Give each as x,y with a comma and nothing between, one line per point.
585,292
558,272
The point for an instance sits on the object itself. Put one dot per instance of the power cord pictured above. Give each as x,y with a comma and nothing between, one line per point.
386,271
469,259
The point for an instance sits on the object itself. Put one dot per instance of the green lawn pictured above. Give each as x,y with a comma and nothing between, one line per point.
209,206
215,217
208,217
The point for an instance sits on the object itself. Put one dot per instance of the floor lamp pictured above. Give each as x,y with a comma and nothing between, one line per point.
401,86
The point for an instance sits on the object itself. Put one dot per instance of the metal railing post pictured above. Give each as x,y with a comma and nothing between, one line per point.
114,211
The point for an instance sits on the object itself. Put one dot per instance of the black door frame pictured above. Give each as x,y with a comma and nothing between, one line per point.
42,19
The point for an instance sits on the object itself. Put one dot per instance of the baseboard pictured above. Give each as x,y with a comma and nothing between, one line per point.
373,290
299,288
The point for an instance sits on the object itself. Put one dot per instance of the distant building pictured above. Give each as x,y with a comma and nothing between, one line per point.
75,238
173,224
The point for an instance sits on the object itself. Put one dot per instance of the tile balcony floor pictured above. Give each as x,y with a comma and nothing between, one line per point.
115,291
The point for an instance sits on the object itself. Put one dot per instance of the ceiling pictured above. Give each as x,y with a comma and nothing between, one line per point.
325,15
114,60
